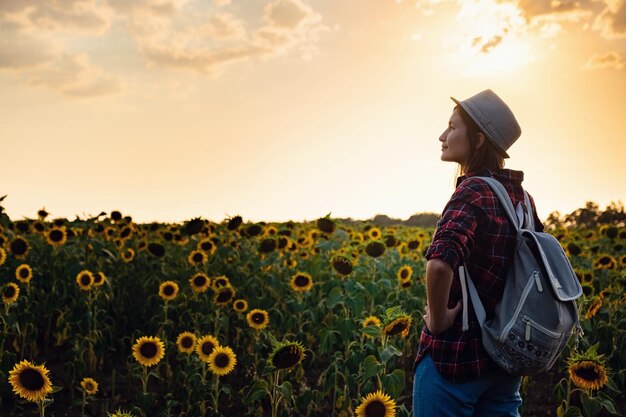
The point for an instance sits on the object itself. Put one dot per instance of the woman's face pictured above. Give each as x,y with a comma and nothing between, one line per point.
455,146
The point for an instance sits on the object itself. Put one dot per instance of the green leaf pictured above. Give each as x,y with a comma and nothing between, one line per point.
390,311
591,405
393,384
286,390
389,352
257,391
334,297
373,331
371,367
607,402
573,412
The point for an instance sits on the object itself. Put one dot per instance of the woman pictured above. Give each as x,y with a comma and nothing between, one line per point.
454,376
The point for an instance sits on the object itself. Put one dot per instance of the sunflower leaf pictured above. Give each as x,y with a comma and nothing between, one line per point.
573,412
591,405
373,331
607,403
389,352
334,297
286,390
371,367
257,391
393,383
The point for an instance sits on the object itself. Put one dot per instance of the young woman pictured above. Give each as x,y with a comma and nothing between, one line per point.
454,376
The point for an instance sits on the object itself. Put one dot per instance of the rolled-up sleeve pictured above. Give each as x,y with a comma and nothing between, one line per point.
456,230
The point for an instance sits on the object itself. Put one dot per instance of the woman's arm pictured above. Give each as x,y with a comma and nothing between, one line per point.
439,317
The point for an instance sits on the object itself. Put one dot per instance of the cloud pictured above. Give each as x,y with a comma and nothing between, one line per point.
82,16
286,13
20,50
488,45
609,60
611,23
74,76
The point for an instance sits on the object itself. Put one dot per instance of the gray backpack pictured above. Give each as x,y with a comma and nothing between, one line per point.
537,313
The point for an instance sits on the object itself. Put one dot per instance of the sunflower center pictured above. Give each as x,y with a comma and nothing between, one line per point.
168,290
199,281
85,280
397,327
258,318
302,281
222,360
197,257
186,342
375,409
605,260
148,350
404,274
207,348
31,379
9,291
207,246
24,273
588,373
224,296
239,305
56,235
286,357
89,386
18,246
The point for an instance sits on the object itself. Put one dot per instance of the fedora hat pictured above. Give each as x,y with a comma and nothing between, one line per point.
494,118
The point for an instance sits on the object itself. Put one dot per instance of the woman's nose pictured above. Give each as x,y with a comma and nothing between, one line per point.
443,136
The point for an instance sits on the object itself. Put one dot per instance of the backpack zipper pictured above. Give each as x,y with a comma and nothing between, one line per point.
520,304
538,281
530,322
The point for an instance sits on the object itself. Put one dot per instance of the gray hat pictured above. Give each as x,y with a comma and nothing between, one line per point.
494,118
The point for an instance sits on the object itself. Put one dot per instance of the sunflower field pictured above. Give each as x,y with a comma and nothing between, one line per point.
107,317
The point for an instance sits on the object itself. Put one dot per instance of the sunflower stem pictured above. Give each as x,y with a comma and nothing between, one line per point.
144,380
216,392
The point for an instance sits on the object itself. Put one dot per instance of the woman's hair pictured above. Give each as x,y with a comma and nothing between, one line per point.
487,156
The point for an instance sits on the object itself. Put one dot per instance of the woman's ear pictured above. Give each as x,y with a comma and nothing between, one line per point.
481,139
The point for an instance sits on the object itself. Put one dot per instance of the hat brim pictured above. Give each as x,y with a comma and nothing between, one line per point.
475,119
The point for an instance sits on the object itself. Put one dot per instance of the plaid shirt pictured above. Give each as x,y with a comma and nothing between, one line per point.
473,228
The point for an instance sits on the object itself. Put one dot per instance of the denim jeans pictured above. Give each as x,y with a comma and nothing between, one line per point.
495,394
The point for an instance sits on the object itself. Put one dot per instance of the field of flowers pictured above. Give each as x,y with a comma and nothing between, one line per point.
104,316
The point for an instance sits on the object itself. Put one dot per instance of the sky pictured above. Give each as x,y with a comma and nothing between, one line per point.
281,110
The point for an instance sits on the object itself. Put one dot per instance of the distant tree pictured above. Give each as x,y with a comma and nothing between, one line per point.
589,216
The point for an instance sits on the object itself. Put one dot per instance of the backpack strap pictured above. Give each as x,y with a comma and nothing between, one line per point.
504,198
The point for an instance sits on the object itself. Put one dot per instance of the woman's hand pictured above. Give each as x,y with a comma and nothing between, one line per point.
439,317
446,322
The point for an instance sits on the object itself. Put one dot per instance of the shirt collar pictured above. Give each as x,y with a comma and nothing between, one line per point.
502,175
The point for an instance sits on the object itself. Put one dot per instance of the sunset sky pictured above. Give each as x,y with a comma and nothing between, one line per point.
282,110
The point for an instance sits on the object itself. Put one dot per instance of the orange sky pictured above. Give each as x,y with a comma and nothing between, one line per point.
291,109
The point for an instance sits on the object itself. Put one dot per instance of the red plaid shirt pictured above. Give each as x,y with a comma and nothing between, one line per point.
473,228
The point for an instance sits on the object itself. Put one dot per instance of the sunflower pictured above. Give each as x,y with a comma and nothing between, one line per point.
371,321
268,245
19,247
240,305
186,342
121,413
286,355
3,256
376,404
128,255
85,280
223,296
405,273
258,319
588,370
341,264
221,281
57,236
375,248
222,360
234,223
399,325
30,381
156,249
24,273
270,231
406,284
148,350
99,278
301,282
374,233
197,257
168,290
593,308
10,292
199,282
304,254
326,225
622,260
205,345
605,262
90,386
207,246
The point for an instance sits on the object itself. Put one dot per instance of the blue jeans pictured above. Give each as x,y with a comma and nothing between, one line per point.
495,394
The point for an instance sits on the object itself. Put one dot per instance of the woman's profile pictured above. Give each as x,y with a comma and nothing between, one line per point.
454,375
